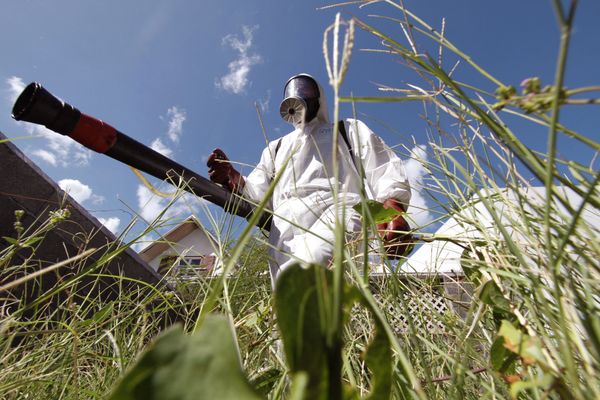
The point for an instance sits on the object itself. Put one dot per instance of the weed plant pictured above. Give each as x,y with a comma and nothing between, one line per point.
530,327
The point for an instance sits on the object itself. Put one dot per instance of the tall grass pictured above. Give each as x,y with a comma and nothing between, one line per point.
531,328
536,268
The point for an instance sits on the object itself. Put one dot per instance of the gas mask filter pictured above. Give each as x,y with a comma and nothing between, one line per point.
301,100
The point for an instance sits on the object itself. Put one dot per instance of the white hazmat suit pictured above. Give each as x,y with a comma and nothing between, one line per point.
303,223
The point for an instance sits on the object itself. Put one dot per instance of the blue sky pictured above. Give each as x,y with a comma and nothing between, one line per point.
185,76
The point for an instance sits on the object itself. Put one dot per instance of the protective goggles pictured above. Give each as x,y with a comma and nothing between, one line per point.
301,86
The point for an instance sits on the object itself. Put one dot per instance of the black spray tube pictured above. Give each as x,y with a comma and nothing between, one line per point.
35,104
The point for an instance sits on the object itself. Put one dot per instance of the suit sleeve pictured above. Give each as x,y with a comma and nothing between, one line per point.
384,170
258,181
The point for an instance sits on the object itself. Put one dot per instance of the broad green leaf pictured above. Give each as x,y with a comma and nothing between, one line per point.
491,295
299,295
301,323
525,346
379,361
470,262
299,384
380,215
501,359
178,366
498,353
543,382
512,336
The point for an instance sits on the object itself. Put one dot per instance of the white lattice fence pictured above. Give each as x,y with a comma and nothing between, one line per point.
426,304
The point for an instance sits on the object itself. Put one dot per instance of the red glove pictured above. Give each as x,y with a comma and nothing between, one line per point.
222,172
397,241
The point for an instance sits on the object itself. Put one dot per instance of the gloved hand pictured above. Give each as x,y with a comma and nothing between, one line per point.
222,172
397,244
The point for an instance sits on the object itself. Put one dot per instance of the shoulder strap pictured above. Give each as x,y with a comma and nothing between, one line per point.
342,129
277,146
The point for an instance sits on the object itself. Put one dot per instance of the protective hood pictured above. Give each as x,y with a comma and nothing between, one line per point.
322,114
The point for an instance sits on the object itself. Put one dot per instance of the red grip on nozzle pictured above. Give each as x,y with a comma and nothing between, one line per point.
94,134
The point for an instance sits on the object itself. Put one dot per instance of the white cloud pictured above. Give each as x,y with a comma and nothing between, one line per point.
79,191
111,223
15,87
419,211
159,146
175,129
237,80
45,155
242,46
414,165
143,242
176,119
60,150
416,171
67,151
97,200
150,205
263,104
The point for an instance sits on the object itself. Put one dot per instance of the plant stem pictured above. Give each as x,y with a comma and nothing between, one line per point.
43,271
586,89
564,344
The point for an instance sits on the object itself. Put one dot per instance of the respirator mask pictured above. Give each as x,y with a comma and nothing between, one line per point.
300,100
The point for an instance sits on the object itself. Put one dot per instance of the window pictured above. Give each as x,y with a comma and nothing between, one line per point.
196,265
191,261
187,266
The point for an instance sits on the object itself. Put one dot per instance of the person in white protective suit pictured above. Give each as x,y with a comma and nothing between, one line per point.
302,228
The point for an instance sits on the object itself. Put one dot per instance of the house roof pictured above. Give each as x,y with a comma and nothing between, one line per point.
175,235
24,186
444,256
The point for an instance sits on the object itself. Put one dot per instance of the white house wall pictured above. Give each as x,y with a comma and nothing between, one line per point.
194,244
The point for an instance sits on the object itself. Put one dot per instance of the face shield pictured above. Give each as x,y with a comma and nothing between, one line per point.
300,100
